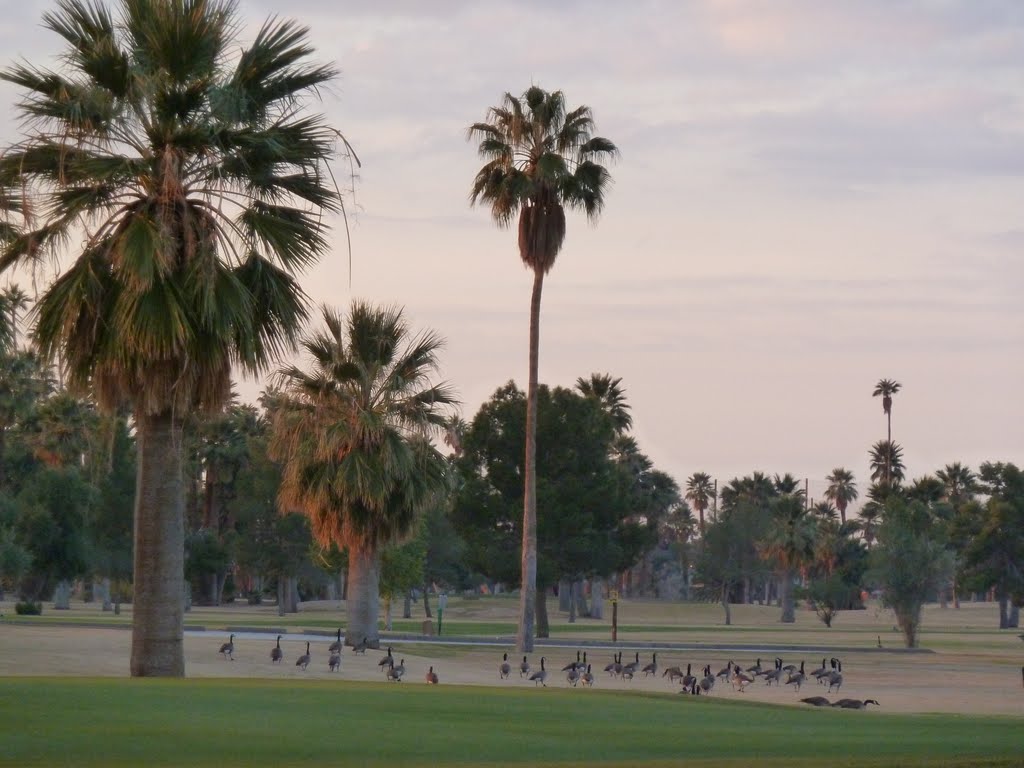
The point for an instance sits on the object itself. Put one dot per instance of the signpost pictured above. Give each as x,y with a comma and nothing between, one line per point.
614,595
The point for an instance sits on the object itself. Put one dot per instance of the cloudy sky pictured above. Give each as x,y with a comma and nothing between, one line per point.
811,196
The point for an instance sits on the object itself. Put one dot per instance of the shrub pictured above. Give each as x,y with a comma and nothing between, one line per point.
28,608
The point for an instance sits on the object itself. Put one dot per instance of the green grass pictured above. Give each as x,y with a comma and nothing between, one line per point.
122,722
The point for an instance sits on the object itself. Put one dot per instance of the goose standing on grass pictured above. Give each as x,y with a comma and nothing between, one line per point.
336,645
775,675
688,679
432,677
505,669
756,669
725,672
821,672
797,678
276,654
228,649
334,661
673,674
588,678
387,662
304,659
630,669
817,701
572,676
835,677
708,681
395,671
652,668
524,668
572,664
740,679
610,669
540,675
361,647
855,703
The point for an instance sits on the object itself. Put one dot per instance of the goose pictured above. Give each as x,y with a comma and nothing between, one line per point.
431,677
610,669
740,680
652,668
756,669
708,682
588,678
821,672
817,701
835,677
276,654
688,679
334,662
304,659
797,678
505,669
387,662
725,671
695,689
775,675
540,675
524,668
630,669
572,664
673,674
572,676
336,645
361,646
228,649
395,671
790,668
855,703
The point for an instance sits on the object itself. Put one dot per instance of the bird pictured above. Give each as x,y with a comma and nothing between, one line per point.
740,680
652,668
708,681
797,678
695,689
610,669
630,669
617,669
228,649
431,677
361,646
588,678
395,671
817,701
304,659
336,645
725,671
855,703
572,664
688,679
774,675
387,662
505,669
572,676
835,677
334,661
524,668
276,654
540,675
756,669
672,673
789,668
820,673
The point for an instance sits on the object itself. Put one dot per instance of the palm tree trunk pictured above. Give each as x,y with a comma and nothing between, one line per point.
158,611
543,630
786,597
528,591
426,601
363,604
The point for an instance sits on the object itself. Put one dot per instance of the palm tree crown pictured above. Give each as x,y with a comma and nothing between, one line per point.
842,490
885,389
609,392
700,491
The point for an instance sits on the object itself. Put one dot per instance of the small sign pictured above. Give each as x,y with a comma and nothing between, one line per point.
613,595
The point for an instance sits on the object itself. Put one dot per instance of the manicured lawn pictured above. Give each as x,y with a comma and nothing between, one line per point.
224,723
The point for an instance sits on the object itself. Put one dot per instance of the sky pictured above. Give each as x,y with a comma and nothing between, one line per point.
810,197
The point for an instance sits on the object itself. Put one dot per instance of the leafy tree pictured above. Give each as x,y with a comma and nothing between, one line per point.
351,434
700,492
842,490
722,559
401,569
885,389
790,545
910,562
15,560
540,159
200,182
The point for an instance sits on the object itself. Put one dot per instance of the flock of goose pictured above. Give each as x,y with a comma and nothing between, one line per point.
580,672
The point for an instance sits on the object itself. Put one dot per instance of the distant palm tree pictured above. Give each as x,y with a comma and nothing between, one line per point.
790,544
352,436
928,489
825,510
540,159
195,181
700,492
787,485
612,397
842,490
961,484
886,461
886,388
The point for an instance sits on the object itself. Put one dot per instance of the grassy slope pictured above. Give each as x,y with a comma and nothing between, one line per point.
119,722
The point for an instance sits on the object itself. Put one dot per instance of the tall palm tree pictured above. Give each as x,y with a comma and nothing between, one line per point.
886,388
886,461
195,181
352,434
700,492
540,159
842,490
609,392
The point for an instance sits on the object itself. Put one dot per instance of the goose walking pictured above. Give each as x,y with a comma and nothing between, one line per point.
276,654
673,674
708,681
821,672
361,646
395,671
630,669
740,680
540,676
835,677
775,675
334,662
524,668
689,680
387,662
336,645
304,659
652,668
797,678
572,677
572,664
505,669
228,649
588,678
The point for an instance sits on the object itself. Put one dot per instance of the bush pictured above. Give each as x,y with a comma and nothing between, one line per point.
254,598
28,608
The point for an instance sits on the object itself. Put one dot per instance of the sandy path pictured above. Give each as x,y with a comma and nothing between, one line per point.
941,682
